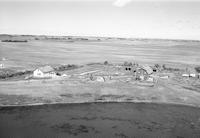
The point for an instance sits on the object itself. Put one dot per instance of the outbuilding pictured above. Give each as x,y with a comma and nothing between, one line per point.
143,72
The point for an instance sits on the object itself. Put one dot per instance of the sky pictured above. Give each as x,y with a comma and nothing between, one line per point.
166,19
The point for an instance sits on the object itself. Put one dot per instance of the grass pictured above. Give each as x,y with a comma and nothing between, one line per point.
42,52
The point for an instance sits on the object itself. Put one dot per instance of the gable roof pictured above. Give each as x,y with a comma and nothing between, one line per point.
46,69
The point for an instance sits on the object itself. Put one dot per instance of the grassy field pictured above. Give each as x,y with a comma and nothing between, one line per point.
39,52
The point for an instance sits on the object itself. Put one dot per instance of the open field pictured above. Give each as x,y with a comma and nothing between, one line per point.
35,53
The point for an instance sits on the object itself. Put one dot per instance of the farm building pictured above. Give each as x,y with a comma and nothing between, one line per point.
143,72
42,72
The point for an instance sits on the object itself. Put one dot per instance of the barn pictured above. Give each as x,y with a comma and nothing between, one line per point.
143,72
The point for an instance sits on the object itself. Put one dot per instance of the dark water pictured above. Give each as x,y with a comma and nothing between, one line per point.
124,120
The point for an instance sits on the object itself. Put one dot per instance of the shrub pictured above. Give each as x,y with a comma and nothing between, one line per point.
105,63
66,67
197,69
10,73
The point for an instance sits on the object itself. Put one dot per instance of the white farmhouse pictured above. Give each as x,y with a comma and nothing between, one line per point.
44,72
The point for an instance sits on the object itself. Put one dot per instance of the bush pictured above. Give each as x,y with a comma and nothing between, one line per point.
66,67
11,73
105,63
197,69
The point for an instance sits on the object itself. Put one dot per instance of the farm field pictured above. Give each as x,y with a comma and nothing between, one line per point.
35,53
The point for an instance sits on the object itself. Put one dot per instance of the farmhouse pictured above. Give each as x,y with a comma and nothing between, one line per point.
43,72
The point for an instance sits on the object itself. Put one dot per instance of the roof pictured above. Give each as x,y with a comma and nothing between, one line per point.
46,69
147,68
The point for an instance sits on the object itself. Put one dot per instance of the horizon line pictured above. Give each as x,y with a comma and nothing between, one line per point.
156,38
